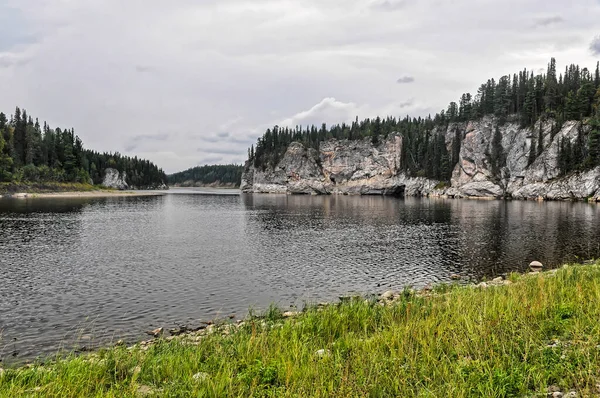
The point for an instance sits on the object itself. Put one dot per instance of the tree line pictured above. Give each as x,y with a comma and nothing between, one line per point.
31,152
523,98
205,175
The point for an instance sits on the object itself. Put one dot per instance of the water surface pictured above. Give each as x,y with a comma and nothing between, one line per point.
90,271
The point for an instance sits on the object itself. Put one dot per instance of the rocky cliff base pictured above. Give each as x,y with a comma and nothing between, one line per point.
364,168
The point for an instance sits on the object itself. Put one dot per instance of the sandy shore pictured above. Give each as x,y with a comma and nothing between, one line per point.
84,194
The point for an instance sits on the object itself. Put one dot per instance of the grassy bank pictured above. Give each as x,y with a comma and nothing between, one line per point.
8,188
520,339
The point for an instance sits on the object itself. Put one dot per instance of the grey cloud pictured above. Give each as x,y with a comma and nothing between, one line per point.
405,79
547,21
209,160
141,141
407,104
210,139
144,68
389,5
151,137
225,138
244,141
222,151
8,60
595,46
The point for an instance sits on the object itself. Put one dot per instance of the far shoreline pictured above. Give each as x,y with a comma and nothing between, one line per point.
81,194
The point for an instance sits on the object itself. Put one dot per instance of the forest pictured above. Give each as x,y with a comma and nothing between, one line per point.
31,152
523,97
229,174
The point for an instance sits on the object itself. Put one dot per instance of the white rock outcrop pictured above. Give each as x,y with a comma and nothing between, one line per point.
114,179
361,167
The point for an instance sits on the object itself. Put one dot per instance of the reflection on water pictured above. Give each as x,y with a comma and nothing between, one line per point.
88,271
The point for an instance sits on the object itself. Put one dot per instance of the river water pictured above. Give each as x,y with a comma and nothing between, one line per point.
87,272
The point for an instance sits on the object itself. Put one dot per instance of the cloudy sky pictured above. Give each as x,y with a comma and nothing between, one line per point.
189,82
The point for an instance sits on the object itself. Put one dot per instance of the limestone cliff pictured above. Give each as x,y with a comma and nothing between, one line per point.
361,167
114,179
340,167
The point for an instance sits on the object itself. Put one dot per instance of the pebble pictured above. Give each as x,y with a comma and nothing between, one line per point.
389,295
156,332
535,266
322,353
290,314
555,343
201,376
144,390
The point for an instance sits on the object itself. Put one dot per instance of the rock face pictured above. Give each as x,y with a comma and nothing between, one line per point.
340,167
361,167
114,179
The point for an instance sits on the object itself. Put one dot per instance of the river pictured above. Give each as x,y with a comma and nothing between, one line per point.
87,272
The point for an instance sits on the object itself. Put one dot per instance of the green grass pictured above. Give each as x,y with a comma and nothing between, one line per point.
501,341
46,187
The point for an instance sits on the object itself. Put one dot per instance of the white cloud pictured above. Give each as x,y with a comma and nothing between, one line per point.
329,110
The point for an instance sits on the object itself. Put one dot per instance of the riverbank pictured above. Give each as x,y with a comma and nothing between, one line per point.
528,335
218,185
65,190
84,194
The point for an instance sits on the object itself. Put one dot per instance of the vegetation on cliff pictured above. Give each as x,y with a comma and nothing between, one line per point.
229,174
524,98
536,335
30,152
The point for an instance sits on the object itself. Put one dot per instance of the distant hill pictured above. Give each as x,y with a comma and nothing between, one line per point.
229,175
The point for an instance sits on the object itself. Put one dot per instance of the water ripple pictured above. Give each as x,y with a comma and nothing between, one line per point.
88,271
